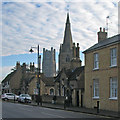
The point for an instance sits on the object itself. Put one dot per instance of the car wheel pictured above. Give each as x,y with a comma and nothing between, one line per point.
6,99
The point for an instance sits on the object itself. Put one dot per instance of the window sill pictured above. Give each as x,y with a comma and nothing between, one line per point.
114,98
95,98
96,69
113,66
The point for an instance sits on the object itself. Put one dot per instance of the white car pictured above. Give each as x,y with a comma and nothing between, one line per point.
24,98
9,96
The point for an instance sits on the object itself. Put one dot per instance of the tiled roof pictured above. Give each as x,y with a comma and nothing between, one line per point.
49,81
67,72
75,73
70,74
109,41
9,76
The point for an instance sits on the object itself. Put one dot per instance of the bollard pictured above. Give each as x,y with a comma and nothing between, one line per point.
64,104
41,100
98,107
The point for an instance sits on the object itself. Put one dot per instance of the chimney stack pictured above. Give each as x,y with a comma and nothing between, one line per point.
102,34
17,65
77,51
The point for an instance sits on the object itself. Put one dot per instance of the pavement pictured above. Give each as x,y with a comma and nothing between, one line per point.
81,109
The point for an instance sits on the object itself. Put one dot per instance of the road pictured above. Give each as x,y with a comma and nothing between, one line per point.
15,110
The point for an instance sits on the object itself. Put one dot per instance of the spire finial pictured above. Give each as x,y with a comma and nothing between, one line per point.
68,8
67,21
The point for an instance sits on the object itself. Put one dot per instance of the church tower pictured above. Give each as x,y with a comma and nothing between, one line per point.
68,53
65,54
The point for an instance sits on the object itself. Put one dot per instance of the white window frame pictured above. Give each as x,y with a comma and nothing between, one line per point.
96,61
113,57
113,88
96,88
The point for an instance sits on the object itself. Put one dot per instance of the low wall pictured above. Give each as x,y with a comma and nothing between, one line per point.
49,98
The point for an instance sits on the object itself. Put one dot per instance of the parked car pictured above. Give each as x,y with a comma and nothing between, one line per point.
9,96
25,98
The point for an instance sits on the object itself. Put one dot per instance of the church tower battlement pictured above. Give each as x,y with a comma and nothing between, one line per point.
49,62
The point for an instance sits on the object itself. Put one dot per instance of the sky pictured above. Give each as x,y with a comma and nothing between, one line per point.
26,24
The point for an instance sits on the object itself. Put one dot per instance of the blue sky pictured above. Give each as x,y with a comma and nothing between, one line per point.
26,24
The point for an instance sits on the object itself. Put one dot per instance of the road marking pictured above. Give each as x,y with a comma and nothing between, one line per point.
52,115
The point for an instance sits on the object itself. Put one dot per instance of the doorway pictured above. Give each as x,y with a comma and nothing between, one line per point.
77,98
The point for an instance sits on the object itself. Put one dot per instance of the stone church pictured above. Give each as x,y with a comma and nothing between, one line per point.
70,79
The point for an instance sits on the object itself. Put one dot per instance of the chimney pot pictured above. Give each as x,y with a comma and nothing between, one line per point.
103,29
102,35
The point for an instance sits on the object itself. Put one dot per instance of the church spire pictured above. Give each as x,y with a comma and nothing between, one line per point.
67,43
67,21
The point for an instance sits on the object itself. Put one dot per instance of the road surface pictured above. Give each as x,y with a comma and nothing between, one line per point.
16,110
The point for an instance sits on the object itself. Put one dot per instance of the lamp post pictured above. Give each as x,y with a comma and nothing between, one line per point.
38,74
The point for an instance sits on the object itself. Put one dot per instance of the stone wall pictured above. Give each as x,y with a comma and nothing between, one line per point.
49,98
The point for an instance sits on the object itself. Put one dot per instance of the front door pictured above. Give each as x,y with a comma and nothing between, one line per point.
81,100
77,98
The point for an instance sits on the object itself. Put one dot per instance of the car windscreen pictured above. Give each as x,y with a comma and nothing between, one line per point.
25,95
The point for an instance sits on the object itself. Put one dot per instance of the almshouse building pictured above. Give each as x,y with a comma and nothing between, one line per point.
102,73
70,83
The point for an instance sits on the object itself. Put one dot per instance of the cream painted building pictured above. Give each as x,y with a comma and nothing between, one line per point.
102,73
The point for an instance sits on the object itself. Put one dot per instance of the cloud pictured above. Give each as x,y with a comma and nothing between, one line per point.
5,70
27,24
24,26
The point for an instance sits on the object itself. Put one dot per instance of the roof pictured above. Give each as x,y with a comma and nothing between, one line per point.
109,41
9,76
76,73
49,81
67,72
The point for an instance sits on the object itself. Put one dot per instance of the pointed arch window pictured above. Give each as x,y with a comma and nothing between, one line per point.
67,58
